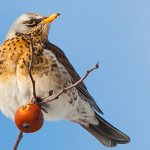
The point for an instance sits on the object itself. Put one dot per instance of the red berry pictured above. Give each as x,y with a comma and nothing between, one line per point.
29,118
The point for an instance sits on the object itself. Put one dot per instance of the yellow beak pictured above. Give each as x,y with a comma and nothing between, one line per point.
50,18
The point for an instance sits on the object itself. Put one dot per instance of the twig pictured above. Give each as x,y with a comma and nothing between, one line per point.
71,86
30,68
20,136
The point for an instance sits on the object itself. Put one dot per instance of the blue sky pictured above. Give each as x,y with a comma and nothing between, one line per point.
114,32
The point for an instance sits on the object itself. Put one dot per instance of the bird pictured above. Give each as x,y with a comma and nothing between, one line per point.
52,71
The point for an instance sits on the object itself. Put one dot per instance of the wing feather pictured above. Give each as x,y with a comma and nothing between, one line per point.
82,89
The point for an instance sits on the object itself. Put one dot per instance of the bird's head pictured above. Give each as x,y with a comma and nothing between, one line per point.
28,21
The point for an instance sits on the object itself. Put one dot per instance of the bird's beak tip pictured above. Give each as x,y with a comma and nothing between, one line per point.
51,18
58,14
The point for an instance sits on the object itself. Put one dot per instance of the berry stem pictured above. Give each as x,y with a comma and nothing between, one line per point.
31,67
20,136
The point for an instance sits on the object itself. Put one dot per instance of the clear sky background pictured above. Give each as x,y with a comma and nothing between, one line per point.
117,34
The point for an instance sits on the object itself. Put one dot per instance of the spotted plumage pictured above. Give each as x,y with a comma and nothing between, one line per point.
52,71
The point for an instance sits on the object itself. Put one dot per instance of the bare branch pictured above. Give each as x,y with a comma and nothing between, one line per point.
71,86
31,66
20,136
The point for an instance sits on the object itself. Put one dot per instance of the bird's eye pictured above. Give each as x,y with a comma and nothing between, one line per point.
31,23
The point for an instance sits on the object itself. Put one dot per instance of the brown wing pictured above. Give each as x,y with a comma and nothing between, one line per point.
82,90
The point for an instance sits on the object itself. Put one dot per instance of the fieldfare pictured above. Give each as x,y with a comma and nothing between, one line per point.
52,71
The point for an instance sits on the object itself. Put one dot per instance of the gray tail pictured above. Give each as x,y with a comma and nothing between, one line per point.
106,133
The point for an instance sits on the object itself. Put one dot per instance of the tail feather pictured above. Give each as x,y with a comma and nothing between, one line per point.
106,133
